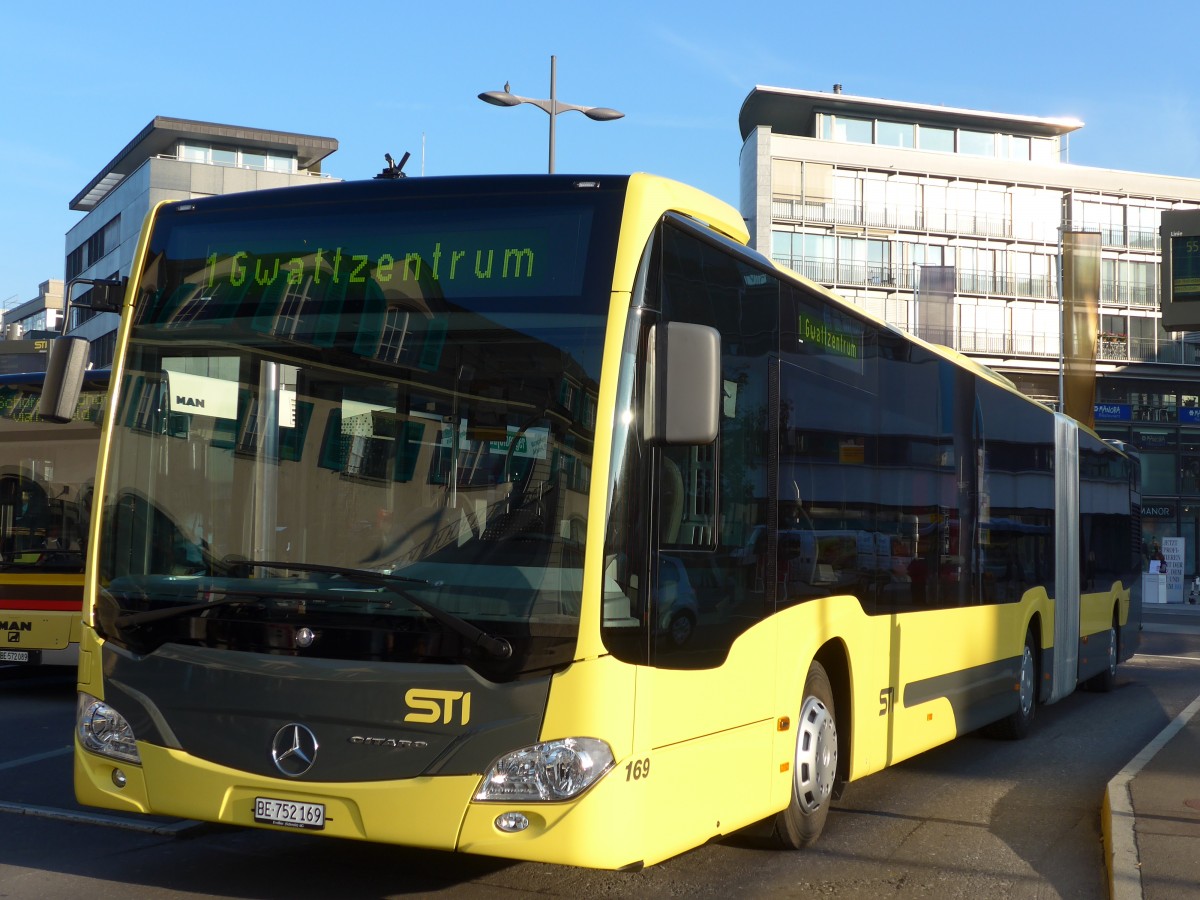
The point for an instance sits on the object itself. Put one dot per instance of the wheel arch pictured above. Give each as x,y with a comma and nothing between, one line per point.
835,660
1043,659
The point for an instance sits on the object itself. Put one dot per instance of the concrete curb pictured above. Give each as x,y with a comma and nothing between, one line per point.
1119,819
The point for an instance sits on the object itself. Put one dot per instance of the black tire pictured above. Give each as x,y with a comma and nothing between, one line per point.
1107,680
1018,724
815,766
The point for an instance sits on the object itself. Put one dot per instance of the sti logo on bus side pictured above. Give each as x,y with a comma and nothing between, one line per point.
431,705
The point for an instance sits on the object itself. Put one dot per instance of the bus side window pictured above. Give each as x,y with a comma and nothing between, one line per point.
688,498
704,593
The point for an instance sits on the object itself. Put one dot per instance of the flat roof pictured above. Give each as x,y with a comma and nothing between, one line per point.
161,134
789,111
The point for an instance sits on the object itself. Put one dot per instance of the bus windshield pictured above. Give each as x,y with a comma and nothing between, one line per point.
401,389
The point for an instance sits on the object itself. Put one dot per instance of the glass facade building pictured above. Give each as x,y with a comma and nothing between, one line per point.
946,222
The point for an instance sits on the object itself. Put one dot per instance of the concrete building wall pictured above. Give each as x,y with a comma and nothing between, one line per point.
149,171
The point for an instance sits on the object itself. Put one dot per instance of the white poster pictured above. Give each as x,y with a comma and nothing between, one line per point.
1172,549
201,395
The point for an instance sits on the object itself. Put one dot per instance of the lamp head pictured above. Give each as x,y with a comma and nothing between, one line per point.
499,98
603,114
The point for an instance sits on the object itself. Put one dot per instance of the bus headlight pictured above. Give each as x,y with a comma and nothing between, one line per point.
103,730
555,770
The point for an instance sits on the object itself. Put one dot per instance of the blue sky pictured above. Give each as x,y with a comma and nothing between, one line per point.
79,80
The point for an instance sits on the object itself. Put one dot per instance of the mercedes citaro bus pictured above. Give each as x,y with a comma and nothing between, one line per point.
538,517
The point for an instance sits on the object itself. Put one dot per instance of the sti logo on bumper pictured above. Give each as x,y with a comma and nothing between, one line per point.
431,706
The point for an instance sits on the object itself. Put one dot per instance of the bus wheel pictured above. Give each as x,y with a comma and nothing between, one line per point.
1019,723
1107,679
814,770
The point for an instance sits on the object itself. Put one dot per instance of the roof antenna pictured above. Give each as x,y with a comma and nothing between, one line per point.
394,169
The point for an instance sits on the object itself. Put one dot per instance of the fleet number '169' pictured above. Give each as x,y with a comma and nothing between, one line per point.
637,770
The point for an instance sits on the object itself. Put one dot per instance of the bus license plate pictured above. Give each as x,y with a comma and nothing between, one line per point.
289,812
14,656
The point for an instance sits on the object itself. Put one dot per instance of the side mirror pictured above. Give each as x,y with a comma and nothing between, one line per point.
66,365
105,296
683,384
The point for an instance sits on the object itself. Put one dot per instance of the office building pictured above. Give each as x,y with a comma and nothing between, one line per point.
36,318
26,329
947,222
173,159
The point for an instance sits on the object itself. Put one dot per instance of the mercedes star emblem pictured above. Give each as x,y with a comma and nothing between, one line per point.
294,749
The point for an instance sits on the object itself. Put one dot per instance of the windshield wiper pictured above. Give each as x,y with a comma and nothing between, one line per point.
496,647
228,598
130,620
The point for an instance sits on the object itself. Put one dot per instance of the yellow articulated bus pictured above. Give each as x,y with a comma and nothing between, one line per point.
46,473
538,517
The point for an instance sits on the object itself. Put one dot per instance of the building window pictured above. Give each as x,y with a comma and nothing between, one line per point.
1043,150
976,143
848,130
1013,146
193,152
75,262
236,157
112,235
102,350
95,248
939,139
895,134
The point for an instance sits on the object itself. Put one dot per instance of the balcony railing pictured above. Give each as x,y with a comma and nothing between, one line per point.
891,217
1127,293
1114,347
1118,349
1122,348
834,272
1131,237
993,343
907,218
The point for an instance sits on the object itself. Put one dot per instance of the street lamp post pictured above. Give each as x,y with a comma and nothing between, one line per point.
552,107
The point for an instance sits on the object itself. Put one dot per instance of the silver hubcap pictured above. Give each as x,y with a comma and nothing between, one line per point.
816,755
1027,682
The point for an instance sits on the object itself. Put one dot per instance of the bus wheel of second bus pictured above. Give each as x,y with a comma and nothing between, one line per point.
1107,680
1019,723
814,767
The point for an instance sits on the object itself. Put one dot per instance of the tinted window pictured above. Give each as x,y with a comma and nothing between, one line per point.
709,506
